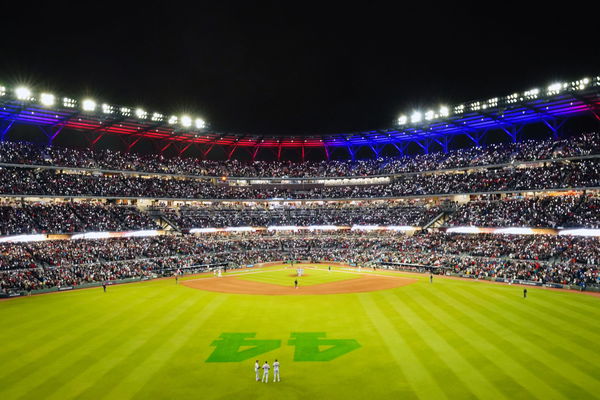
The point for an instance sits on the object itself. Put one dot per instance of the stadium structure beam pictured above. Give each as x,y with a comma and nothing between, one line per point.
230,153
326,150
5,128
51,132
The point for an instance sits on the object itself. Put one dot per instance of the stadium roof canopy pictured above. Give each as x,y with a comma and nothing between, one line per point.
551,105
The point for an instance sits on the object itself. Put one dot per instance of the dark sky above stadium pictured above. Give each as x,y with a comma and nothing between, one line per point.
294,68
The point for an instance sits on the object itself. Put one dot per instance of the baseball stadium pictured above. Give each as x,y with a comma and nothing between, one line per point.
454,255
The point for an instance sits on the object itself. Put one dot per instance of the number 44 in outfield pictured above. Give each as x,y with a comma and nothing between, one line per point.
308,346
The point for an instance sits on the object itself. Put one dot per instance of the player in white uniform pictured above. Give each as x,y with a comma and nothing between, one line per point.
256,369
276,372
265,367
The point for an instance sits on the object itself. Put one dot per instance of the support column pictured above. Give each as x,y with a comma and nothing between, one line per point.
4,129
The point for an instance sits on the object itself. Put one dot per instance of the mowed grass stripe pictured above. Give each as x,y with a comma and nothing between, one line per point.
423,348
419,378
60,346
17,338
575,359
122,357
56,374
512,359
521,340
137,377
546,302
480,354
460,369
546,324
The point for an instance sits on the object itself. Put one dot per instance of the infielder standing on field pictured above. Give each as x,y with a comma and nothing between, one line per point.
265,377
276,371
256,369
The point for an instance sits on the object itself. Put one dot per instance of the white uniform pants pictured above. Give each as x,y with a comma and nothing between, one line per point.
276,375
265,377
257,375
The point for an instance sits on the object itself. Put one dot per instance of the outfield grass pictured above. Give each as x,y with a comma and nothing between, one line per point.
451,339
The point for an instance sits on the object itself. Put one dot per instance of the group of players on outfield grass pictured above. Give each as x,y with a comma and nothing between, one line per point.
266,367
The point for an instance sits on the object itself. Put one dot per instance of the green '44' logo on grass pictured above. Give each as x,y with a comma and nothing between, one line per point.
309,346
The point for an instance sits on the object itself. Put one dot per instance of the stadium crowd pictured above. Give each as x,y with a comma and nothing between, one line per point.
32,154
70,217
544,258
553,175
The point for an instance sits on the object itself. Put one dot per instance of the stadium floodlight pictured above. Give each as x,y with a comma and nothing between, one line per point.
555,88
429,115
69,103
157,117
199,123
23,93
173,119
125,111
186,121
88,105
47,99
459,109
107,109
416,117
402,120
2,90
532,94
444,111
140,113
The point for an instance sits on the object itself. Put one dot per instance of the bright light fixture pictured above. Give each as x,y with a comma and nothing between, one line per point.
429,115
140,113
402,120
47,99
186,121
23,93
88,105
68,103
173,119
107,108
157,117
200,124
444,111
416,117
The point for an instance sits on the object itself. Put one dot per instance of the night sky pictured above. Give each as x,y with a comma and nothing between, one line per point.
281,69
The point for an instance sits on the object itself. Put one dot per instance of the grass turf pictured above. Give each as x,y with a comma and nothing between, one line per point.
287,276
450,339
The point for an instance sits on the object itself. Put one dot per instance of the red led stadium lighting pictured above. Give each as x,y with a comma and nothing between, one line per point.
551,106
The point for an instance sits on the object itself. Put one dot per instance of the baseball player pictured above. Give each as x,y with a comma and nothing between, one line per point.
276,371
256,369
265,367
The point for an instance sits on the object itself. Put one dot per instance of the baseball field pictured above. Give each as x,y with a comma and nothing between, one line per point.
199,338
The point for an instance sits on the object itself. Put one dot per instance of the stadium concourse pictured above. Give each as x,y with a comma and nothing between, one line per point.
97,216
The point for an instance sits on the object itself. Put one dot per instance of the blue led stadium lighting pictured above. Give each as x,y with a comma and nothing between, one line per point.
553,102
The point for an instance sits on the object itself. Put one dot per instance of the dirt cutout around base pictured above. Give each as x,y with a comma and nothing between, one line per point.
235,285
